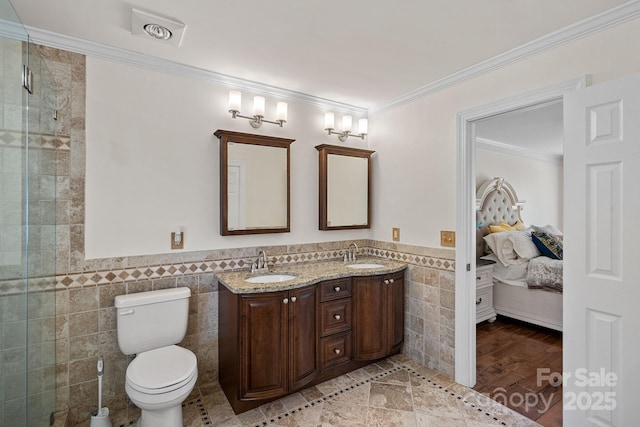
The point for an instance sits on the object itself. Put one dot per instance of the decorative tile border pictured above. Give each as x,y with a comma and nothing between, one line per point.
13,138
104,277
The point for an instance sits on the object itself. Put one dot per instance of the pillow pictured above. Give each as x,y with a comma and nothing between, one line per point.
504,244
548,244
503,226
519,225
549,229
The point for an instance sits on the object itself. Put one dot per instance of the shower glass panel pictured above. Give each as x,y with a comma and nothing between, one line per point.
27,230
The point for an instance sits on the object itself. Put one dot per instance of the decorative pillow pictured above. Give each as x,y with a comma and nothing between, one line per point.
503,226
548,244
549,229
519,226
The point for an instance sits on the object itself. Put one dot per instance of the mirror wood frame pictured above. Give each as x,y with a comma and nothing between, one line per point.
227,137
324,150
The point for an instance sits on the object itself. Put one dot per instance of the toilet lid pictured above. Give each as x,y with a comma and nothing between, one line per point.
162,368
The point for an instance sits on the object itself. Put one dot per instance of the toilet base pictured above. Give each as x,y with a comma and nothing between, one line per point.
170,417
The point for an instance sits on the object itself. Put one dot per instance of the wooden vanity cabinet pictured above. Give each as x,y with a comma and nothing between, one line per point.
268,344
378,325
274,343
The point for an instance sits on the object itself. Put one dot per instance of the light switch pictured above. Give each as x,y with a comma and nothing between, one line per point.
448,238
177,240
395,234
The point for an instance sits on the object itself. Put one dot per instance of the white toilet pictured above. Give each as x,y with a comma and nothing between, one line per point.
162,375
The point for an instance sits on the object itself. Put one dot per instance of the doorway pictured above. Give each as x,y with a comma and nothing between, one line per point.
465,304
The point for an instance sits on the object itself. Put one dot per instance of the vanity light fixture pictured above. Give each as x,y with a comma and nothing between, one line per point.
347,124
235,101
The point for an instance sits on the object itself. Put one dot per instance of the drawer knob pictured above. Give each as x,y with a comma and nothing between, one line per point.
479,301
286,300
293,299
336,351
386,282
478,278
390,280
337,316
337,289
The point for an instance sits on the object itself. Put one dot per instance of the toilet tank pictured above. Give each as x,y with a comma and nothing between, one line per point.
150,320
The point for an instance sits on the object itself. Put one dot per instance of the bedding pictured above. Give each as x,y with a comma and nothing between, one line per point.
545,273
527,285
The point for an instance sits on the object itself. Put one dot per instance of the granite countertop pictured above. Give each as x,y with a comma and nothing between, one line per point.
306,274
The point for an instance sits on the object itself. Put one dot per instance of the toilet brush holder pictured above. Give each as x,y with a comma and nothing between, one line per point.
101,419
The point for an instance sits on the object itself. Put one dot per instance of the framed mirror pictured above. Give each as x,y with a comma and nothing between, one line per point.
254,183
345,187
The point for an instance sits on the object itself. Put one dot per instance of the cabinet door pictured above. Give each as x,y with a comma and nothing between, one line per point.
369,322
395,294
303,359
263,345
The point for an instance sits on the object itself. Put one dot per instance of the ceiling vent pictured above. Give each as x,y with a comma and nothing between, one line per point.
157,27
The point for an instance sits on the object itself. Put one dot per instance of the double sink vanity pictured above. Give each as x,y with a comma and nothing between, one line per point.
290,328
283,330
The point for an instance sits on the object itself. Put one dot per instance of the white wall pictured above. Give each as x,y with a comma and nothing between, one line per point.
414,173
153,163
537,182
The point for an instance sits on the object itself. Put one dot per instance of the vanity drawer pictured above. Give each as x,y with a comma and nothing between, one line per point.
335,350
335,316
335,289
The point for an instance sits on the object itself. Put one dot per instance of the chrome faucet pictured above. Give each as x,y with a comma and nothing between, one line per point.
261,263
351,252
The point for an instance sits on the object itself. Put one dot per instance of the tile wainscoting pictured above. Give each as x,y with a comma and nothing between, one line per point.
86,325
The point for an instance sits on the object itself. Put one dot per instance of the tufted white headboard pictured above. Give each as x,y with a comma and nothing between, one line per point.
496,201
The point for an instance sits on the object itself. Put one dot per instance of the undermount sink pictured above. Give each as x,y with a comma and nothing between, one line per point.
270,278
365,265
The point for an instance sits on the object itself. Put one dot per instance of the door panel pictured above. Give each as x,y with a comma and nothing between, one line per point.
601,263
263,345
304,355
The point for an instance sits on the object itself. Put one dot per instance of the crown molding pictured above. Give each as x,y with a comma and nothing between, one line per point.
512,150
127,57
609,18
586,27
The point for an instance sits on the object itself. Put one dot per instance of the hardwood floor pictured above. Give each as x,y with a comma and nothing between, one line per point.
514,361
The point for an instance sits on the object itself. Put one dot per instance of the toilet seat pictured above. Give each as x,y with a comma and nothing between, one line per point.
162,370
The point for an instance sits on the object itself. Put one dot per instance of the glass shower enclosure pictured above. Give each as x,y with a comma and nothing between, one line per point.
27,229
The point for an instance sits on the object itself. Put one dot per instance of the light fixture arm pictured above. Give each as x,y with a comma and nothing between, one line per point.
255,121
342,136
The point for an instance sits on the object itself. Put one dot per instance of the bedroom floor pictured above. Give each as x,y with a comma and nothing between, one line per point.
509,354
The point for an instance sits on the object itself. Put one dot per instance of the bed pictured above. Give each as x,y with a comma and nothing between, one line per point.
527,275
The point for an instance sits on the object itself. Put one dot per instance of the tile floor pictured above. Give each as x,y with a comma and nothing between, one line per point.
393,392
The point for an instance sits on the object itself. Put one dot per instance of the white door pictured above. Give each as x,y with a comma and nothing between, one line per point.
602,256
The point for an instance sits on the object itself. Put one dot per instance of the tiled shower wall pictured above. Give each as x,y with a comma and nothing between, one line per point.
85,316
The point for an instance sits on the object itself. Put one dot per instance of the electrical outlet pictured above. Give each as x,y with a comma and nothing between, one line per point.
395,234
448,238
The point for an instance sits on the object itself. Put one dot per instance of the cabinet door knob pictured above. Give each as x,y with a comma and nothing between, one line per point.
286,300
478,278
479,301
336,351
337,289
386,282
337,316
293,299
390,280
